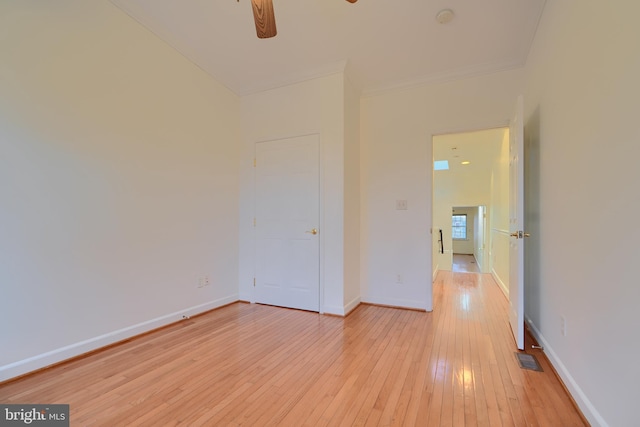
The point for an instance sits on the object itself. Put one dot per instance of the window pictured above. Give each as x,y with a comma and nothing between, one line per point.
459,227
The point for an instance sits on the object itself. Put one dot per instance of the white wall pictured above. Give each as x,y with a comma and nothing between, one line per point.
118,182
582,149
396,132
315,106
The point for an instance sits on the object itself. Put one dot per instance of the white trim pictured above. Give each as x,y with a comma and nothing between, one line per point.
350,306
473,127
500,231
341,311
321,222
58,355
254,194
585,405
500,283
248,297
333,309
462,73
400,303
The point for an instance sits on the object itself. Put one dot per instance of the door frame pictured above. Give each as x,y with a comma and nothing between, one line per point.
439,132
480,223
321,211
517,224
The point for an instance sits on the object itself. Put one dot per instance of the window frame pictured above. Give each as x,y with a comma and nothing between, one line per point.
454,227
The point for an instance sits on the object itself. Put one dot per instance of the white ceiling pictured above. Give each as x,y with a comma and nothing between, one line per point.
481,148
383,44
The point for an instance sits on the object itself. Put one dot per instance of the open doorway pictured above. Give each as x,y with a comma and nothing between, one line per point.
468,245
471,179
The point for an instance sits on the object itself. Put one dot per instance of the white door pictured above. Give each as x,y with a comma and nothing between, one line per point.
286,223
516,224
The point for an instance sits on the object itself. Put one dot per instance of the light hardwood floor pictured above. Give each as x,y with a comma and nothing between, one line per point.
463,263
256,365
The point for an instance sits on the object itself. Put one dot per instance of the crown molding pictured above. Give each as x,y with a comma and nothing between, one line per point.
445,76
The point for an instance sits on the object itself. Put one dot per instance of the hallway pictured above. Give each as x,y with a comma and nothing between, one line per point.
463,263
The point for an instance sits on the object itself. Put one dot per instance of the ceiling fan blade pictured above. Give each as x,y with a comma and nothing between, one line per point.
265,18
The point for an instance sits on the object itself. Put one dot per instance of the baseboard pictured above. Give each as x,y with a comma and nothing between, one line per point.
246,296
500,283
342,311
392,302
40,361
352,305
585,405
435,273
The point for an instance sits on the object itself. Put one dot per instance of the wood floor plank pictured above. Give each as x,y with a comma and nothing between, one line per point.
256,365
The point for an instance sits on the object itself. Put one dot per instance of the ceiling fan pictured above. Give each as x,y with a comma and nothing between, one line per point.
265,18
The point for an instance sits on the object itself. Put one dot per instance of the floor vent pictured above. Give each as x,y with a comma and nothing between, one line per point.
528,361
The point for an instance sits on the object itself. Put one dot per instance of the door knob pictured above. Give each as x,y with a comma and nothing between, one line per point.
514,234
313,231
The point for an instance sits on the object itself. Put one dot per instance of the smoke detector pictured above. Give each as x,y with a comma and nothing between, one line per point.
445,16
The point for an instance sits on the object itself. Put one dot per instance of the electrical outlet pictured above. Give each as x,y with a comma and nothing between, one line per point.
563,326
203,281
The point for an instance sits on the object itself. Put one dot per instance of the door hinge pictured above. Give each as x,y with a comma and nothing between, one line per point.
254,162
254,282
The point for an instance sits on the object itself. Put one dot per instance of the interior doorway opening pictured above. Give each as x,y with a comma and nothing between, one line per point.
468,244
471,187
